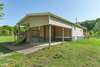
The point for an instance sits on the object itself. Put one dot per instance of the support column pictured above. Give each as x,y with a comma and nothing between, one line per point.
39,28
49,35
18,35
62,35
28,35
44,30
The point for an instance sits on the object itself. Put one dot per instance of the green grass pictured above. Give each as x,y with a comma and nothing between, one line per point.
7,38
81,53
91,41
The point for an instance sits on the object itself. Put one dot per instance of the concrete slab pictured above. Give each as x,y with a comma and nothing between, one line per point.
29,48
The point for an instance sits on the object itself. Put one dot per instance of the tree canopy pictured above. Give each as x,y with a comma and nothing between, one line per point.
6,30
1,8
93,26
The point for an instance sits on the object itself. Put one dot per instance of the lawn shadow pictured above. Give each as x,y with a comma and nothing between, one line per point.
3,49
22,48
11,46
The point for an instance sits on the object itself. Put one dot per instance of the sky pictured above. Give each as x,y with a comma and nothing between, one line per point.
14,10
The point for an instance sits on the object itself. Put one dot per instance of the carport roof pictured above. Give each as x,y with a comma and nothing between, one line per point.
50,14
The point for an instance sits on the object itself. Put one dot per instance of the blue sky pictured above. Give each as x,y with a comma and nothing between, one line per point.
14,10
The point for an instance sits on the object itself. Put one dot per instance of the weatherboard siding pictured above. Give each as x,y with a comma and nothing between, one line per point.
58,22
35,21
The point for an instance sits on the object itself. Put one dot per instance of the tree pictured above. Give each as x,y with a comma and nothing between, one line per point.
6,30
97,25
93,26
89,24
96,28
1,9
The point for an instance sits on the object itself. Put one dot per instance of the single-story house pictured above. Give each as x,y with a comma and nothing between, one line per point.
47,27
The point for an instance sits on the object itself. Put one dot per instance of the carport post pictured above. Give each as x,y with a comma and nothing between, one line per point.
49,35
62,35
39,28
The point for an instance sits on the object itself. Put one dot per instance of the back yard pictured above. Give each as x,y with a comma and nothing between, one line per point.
82,53
7,39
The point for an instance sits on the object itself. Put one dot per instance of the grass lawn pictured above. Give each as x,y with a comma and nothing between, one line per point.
82,53
6,38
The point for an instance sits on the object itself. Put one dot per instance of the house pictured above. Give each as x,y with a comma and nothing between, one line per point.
47,27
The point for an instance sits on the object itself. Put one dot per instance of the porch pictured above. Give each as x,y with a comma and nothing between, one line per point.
45,34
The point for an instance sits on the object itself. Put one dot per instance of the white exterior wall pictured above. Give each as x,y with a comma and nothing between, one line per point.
57,22
77,33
